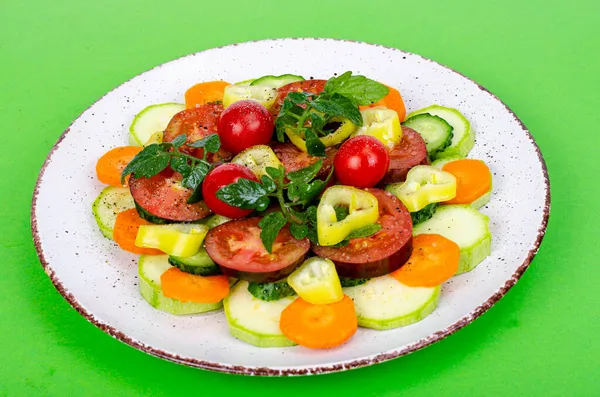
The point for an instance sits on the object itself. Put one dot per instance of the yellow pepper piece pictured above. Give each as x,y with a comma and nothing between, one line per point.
424,185
317,282
258,158
335,138
157,137
177,239
363,210
383,124
262,94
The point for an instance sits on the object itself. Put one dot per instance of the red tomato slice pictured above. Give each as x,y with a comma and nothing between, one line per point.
312,86
411,151
237,248
381,253
294,159
163,196
197,123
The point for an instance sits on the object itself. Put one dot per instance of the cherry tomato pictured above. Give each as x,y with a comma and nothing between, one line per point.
224,175
362,161
244,124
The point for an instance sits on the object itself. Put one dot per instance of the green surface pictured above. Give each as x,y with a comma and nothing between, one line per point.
540,57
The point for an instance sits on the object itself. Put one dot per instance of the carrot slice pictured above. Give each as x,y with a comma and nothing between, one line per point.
203,93
187,287
434,260
393,100
126,229
473,180
319,326
112,163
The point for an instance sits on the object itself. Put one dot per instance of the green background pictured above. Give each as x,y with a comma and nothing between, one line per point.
540,57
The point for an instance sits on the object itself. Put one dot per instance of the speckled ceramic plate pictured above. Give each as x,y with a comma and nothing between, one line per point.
100,281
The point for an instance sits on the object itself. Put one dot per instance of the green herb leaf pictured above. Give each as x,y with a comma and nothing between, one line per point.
338,105
147,163
311,214
341,212
352,282
317,122
365,231
245,194
424,213
304,193
270,291
298,231
275,173
298,98
211,143
196,196
312,235
314,146
270,226
358,88
196,175
305,174
180,164
179,140
268,184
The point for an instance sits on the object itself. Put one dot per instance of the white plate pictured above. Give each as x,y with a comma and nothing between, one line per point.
100,281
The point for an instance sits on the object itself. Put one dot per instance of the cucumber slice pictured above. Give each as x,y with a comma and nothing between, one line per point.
214,221
200,264
385,303
434,130
109,203
151,120
464,136
277,81
245,83
255,321
439,163
464,225
150,268
263,94
151,218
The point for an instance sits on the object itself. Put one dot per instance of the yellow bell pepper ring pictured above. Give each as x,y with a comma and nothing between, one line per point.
363,209
335,138
383,124
262,94
424,185
176,239
317,282
257,158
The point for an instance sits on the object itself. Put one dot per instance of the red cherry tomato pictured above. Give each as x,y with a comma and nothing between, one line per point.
244,124
224,175
362,161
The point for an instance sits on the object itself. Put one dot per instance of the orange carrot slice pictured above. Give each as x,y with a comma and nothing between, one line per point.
126,229
393,100
187,287
434,260
319,326
112,163
473,180
203,93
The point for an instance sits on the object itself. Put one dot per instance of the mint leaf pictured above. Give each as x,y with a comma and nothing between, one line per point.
298,231
270,291
147,163
338,105
365,231
275,173
211,143
341,212
358,88
179,140
314,146
305,174
304,193
245,194
298,98
180,164
268,183
196,195
270,226
196,175
317,121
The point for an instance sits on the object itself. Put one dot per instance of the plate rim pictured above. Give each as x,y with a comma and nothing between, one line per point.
309,369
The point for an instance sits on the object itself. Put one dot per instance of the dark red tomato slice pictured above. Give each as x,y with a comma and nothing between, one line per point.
162,196
381,253
197,123
294,159
411,151
237,248
312,86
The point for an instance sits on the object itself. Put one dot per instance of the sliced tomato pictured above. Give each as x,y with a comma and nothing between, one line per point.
312,86
294,159
162,196
197,123
381,253
409,152
237,248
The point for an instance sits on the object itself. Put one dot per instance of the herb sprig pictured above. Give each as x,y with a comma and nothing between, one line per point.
156,157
